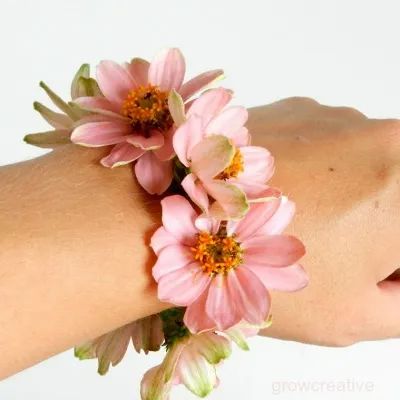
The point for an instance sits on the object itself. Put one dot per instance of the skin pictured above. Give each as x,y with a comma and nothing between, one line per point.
341,169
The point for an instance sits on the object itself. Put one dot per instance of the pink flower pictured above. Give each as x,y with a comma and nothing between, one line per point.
214,145
137,114
191,361
146,334
222,271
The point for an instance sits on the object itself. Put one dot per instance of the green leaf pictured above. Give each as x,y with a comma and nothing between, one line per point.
50,139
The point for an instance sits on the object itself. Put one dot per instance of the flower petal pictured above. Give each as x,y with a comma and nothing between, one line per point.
186,137
171,258
199,82
59,102
147,334
162,238
213,347
231,202
211,156
241,137
109,348
219,305
286,279
114,81
139,70
256,218
258,164
176,107
208,224
103,133
210,104
280,220
156,383
167,70
195,190
249,294
121,154
178,218
154,176
154,141
83,72
49,139
196,373
196,318
275,250
228,122
166,152
56,120
97,104
184,285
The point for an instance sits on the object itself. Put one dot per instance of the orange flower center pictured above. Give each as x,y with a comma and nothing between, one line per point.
217,253
234,168
147,107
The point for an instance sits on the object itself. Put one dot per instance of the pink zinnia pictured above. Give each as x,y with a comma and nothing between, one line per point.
222,271
136,114
214,144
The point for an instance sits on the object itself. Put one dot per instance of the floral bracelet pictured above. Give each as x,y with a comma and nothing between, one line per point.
220,248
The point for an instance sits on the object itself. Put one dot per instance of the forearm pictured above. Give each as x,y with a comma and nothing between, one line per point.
74,260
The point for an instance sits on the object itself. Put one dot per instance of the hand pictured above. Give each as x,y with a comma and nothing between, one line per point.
343,171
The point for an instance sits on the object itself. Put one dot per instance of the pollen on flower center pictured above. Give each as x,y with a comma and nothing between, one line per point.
234,168
217,253
147,107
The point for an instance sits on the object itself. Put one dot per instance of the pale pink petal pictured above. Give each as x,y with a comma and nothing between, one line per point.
147,334
231,202
139,70
280,220
286,279
211,156
196,373
195,190
205,223
167,70
92,103
276,250
121,154
241,137
183,286
199,82
196,318
166,152
162,238
114,81
228,122
171,258
258,164
97,134
154,176
255,191
220,306
94,118
186,137
209,104
178,218
249,294
154,141
256,218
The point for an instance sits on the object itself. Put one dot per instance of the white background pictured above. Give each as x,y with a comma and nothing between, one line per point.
337,51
